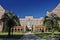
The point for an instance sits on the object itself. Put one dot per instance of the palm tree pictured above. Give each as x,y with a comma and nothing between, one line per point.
9,20
16,19
5,18
7,15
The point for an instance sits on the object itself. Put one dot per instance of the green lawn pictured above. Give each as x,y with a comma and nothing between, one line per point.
46,34
43,35
19,34
15,35
57,33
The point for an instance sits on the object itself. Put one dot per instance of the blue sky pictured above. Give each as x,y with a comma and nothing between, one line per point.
36,8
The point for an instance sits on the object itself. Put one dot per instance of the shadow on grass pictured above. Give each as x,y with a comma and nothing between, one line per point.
14,36
47,35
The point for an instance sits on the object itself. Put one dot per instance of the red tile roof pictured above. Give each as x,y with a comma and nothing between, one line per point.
18,27
40,27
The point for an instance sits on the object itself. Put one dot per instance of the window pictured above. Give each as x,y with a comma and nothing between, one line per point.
18,29
21,29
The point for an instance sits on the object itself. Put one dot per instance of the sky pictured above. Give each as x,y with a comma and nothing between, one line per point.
35,8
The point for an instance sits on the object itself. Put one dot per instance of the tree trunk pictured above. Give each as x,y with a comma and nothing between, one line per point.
52,32
12,32
9,32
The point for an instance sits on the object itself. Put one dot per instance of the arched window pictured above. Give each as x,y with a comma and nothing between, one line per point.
18,29
21,29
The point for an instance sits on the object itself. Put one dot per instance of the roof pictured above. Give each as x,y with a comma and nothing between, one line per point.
18,27
56,11
40,27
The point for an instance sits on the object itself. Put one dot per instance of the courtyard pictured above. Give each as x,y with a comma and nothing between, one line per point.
29,20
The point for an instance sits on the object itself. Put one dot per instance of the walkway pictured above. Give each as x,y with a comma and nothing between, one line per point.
29,36
28,33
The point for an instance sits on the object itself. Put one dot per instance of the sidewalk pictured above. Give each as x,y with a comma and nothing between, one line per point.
28,33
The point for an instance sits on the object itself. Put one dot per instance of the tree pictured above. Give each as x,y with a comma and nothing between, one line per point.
54,18
53,22
16,20
9,20
56,25
5,18
10,24
27,29
8,15
48,25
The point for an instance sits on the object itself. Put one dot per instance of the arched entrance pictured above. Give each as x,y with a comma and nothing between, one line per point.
40,29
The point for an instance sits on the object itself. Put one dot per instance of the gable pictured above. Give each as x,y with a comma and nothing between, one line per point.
2,10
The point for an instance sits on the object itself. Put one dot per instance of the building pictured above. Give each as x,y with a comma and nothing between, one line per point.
30,22
55,11
2,11
40,29
18,29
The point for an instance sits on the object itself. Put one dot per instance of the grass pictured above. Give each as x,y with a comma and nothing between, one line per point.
43,35
19,34
46,34
57,33
15,35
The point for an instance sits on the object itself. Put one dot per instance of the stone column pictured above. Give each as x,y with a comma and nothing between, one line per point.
17,29
33,28
47,30
44,29
24,28
14,29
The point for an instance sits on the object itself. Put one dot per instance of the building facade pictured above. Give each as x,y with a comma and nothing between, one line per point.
18,29
2,11
30,22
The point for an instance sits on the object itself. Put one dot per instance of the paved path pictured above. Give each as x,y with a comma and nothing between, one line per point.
30,37
28,33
